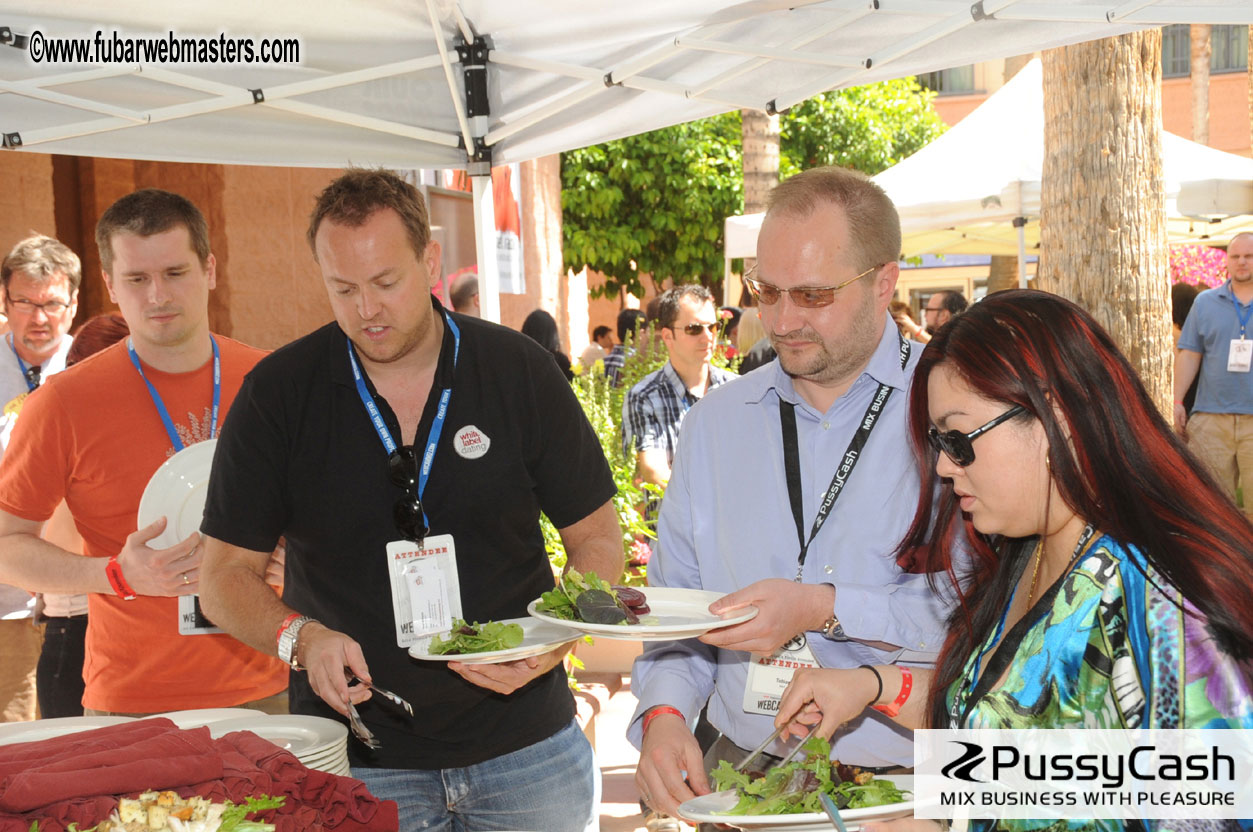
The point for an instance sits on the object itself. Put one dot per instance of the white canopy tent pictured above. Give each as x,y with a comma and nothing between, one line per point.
976,189
471,83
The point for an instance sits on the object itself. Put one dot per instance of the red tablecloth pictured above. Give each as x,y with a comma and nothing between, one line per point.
76,778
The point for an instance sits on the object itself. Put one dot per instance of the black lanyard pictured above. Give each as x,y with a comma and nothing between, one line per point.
792,461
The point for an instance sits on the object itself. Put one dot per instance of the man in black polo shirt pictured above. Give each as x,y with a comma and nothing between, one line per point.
315,449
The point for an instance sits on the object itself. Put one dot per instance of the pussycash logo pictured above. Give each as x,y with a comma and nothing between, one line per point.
1143,764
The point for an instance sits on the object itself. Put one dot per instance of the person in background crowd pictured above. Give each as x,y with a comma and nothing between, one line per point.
941,308
93,436
629,321
491,745
464,295
1112,574
1182,296
541,328
753,342
59,675
826,271
899,310
602,343
653,409
1216,350
39,279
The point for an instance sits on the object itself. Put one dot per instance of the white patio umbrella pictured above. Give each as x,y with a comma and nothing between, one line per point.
447,84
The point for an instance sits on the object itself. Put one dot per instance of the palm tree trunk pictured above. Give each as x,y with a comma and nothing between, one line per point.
1200,36
1103,227
759,150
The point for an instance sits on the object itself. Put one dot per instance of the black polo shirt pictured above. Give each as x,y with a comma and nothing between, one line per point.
299,456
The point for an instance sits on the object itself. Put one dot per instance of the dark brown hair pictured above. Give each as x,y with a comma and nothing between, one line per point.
147,212
354,197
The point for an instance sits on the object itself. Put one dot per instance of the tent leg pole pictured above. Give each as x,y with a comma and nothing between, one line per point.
1020,223
485,248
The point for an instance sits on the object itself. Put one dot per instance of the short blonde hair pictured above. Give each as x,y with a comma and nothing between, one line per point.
873,224
41,258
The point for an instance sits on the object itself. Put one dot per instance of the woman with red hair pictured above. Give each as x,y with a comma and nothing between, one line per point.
1109,576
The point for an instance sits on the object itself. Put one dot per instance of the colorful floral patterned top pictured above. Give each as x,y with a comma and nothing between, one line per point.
1108,646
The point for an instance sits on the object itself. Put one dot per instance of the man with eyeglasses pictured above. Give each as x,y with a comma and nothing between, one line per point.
93,436
653,409
39,278
790,491
406,452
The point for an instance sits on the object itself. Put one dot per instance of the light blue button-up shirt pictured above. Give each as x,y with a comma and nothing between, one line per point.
726,522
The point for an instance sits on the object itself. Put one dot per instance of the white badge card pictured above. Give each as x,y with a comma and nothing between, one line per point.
191,620
1240,356
426,594
768,676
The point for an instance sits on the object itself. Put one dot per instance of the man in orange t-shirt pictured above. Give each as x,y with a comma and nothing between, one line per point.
95,435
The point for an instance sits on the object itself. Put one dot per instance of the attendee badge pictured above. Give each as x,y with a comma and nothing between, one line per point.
768,676
426,594
1240,356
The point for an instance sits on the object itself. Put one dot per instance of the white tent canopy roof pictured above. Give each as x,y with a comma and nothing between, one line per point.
961,193
378,81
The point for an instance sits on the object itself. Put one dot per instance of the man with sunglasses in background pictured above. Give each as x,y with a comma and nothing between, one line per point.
790,491
39,278
654,408
406,453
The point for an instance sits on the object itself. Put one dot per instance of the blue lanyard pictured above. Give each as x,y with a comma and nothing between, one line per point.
437,427
1242,312
161,409
31,387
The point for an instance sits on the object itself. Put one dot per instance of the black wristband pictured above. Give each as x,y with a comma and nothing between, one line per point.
878,678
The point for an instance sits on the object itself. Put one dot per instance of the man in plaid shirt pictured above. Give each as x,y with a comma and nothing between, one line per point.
654,408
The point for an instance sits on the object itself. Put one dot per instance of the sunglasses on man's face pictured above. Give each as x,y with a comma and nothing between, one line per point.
957,445
806,297
402,466
697,329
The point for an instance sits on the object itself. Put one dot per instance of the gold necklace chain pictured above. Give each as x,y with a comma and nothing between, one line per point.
1035,573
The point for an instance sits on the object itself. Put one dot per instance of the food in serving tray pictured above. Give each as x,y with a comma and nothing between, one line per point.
167,812
585,597
794,788
476,638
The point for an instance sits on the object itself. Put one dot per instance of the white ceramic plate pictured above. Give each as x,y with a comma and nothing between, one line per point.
297,733
177,492
538,637
709,808
43,729
197,717
675,613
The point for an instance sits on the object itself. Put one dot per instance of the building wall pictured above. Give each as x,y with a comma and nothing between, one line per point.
1228,110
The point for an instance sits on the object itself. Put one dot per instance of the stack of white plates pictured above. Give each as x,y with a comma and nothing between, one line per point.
317,742
42,729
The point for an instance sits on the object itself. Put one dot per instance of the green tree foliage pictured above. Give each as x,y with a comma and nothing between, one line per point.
654,203
638,205
869,128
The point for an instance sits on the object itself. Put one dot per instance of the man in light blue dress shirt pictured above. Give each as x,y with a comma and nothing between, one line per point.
826,272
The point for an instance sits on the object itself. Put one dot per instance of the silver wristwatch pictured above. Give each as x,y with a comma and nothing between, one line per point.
287,641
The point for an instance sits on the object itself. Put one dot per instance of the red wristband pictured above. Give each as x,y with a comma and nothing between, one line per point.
113,571
653,713
286,623
907,685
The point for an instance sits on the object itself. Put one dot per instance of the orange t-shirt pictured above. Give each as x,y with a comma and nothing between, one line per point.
91,435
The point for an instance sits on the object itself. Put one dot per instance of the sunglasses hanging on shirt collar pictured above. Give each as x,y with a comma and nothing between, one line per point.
33,376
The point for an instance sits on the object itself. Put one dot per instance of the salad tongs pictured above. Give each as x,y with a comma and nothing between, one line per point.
756,752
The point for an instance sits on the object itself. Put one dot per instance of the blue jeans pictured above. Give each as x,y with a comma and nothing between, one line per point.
545,787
